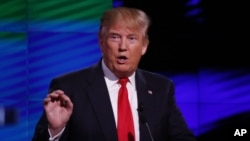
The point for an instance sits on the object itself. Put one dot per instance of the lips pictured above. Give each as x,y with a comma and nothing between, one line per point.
122,59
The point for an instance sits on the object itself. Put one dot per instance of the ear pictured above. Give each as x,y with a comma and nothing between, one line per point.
101,43
145,47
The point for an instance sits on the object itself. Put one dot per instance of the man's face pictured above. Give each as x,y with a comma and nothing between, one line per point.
122,49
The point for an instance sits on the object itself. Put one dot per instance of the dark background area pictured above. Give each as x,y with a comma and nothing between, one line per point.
216,36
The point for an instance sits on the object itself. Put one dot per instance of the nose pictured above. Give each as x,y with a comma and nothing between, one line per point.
123,45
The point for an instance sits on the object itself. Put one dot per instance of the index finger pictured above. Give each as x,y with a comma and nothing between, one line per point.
65,101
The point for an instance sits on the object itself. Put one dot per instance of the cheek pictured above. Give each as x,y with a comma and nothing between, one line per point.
137,54
109,51
105,46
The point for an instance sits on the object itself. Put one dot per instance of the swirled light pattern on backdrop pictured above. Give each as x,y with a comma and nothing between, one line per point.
42,39
38,41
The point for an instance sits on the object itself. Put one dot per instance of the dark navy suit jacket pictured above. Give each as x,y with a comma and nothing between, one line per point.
93,120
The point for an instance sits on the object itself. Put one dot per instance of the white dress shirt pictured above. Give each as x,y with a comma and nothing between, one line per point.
113,88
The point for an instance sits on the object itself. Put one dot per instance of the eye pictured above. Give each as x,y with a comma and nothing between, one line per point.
114,37
132,39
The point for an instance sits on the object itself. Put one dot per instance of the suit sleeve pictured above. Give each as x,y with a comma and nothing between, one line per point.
41,130
178,129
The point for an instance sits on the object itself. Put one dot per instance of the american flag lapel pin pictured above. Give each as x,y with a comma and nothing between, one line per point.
150,92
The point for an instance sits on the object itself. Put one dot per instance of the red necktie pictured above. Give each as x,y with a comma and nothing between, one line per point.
125,124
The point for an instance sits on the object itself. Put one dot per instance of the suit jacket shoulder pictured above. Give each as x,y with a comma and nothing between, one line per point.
81,77
153,79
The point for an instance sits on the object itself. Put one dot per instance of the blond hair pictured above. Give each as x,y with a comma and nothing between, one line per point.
131,17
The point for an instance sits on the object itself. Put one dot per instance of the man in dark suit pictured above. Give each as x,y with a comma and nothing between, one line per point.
82,105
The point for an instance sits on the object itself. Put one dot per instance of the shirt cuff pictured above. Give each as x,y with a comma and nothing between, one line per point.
56,137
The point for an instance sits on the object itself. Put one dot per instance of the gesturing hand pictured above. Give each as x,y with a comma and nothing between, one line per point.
58,108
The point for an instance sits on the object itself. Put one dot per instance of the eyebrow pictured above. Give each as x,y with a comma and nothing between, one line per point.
116,33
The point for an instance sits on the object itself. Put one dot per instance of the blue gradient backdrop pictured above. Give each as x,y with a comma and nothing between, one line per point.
42,39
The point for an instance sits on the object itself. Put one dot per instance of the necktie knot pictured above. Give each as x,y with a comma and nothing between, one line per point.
123,81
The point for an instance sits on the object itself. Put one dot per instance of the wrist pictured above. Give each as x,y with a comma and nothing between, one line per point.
55,130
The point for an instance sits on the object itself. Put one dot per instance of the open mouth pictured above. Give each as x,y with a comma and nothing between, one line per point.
122,59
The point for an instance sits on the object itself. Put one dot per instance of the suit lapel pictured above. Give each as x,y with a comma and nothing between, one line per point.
99,97
100,100
144,94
